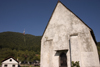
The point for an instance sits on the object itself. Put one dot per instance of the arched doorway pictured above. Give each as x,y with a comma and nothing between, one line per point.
63,60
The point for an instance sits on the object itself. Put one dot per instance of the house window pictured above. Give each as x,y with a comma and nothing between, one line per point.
5,65
10,60
63,60
13,65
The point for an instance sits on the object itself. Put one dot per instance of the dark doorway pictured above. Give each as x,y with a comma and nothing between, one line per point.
63,60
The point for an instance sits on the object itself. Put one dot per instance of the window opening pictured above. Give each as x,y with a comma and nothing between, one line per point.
5,65
10,60
63,60
13,65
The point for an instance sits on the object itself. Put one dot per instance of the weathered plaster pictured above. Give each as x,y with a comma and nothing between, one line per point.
62,27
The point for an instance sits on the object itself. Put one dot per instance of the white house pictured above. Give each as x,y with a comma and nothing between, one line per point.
10,62
67,38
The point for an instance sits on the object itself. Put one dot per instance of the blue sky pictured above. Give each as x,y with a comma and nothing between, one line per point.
33,15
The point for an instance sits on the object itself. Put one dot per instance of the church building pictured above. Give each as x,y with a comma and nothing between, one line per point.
67,38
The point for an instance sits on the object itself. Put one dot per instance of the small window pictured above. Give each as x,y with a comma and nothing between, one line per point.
63,60
13,65
5,65
10,60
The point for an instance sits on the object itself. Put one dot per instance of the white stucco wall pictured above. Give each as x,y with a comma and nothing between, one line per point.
10,63
64,26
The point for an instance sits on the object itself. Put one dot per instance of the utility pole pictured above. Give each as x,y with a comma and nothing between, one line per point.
24,37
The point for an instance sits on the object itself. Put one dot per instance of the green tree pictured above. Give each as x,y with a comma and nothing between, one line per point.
75,64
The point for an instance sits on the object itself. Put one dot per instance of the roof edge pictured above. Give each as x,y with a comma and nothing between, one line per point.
9,58
70,11
93,36
75,15
50,19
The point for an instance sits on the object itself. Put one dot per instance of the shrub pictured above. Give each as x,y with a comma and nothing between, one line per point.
75,64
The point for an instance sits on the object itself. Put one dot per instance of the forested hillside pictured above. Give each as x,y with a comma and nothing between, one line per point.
22,47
